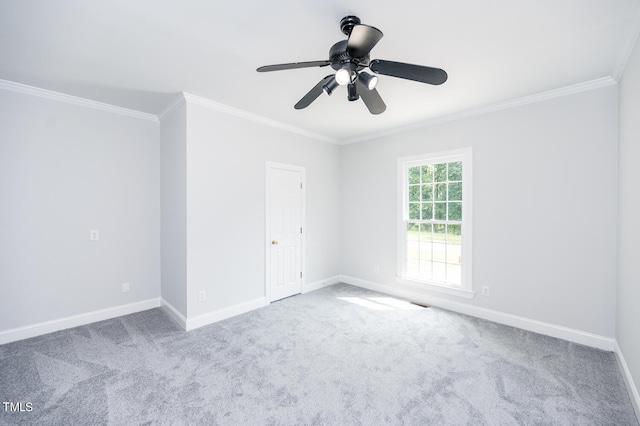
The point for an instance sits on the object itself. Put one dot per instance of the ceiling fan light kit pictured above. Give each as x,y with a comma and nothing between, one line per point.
368,80
330,86
349,58
344,75
352,92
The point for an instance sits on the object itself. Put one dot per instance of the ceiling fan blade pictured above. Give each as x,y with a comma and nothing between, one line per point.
293,65
371,99
362,39
313,94
409,71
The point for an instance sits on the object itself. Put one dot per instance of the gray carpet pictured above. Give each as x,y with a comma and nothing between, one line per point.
337,356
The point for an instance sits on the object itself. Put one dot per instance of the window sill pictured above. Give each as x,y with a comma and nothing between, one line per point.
467,294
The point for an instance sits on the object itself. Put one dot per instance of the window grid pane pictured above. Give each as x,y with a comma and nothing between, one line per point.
434,250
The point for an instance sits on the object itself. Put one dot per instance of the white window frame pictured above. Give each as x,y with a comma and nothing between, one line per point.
464,155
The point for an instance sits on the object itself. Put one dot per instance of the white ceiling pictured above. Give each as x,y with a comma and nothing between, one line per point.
140,54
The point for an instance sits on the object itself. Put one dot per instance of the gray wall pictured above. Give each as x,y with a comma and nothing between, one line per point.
173,184
226,158
545,201
545,183
64,170
628,312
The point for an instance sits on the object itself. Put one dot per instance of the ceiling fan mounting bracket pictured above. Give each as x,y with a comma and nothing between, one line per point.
347,23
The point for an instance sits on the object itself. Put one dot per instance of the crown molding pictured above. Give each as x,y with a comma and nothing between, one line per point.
178,101
74,100
627,48
255,118
513,103
184,97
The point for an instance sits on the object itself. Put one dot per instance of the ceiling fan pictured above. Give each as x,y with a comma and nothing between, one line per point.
349,58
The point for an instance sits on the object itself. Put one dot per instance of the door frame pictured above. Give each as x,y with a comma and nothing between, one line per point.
269,166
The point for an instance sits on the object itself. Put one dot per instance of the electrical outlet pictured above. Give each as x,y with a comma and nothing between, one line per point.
485,290
125,287
202,295
376,269
94,235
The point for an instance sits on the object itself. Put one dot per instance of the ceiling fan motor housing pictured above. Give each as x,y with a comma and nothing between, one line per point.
338,56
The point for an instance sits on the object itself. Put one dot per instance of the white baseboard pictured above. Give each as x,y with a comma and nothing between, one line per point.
540,327
219,315
628,379
174,314
46,327
320,284
211,317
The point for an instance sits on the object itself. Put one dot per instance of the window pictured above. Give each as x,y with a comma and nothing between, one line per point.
435,221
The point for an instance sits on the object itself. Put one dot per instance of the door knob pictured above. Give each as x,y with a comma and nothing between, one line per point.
274,242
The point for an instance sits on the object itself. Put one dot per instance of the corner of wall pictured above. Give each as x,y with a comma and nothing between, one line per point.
178,101
628,380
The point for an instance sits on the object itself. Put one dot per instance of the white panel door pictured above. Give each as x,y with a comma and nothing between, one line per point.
284,233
